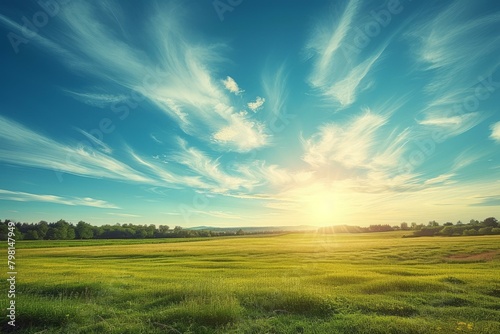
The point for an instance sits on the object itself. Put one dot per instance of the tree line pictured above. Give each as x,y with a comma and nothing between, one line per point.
486,227
62,230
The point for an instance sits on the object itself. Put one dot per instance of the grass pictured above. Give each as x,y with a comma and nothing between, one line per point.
296,283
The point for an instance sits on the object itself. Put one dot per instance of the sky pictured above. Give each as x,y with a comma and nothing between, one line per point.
249,113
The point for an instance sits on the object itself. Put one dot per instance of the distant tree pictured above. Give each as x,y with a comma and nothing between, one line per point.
150,230
459,222
141,233
42,229
413,226
205,233
31,235
71,233
491,221
485,230
162,231
470,231
427,231
51,234
433,223
448,224
84,230
240,232
4,230
448,230
404,226
61,228
177,231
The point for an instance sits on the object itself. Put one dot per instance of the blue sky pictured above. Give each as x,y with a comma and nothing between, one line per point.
241,113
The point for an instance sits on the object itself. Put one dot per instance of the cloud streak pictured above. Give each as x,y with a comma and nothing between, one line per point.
20,196
495,132
25,147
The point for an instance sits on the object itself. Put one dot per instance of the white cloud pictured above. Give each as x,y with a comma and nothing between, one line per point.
452,125
495,131
96,142
345,90
211,170
240,134
274,84
125,215
98,100
232,86
439,179
261,173
167,178
72,201
327,42
155,139
450,121
347,144
257,104
28,148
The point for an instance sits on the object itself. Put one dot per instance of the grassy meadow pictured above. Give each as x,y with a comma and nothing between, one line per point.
293,283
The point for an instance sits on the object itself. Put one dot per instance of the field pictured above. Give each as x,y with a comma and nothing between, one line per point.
294,283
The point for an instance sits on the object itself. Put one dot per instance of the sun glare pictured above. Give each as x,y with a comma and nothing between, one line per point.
326,208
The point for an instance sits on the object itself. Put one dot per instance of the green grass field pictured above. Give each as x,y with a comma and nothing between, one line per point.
295,283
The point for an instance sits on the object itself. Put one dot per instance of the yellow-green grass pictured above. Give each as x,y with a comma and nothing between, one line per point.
295,283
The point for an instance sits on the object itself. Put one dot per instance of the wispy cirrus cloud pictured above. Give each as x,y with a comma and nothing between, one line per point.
346,89
450,126
20,196
124,215
22,146
347,144
177,76
487,201
99,100
440,179
459,61
195,169
96,142
327,42
209,169
339,72
458,51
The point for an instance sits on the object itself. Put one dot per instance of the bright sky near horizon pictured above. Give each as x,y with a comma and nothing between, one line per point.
250,112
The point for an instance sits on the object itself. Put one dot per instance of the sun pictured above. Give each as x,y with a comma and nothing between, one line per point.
326,208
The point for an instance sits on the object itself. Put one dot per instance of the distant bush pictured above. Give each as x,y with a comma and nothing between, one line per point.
470,232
